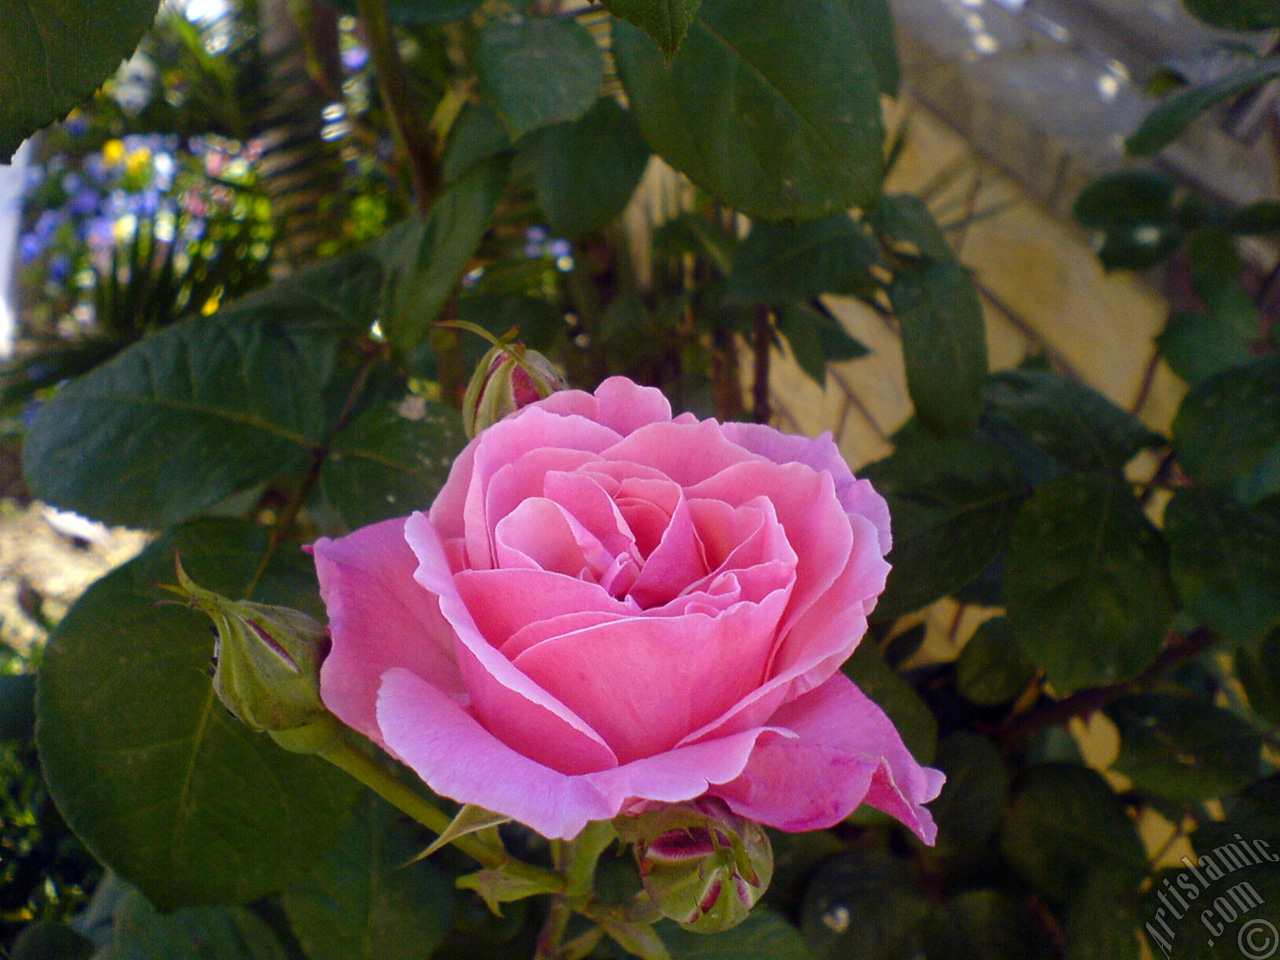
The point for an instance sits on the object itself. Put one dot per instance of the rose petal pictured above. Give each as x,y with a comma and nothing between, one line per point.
643,682
845,751
688,453
502,602
510,705
379,618
674,563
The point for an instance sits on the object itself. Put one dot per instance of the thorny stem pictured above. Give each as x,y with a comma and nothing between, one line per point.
1087,701
411,135
352,761
576,860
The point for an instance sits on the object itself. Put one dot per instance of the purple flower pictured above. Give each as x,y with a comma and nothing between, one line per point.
353,58
30,247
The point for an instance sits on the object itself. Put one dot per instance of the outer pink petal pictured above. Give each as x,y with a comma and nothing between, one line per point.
688,453
821,453
379,618
460,759
845,752
626,406
509,704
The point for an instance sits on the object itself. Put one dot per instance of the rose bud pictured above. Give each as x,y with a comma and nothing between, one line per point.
703,865
508,377
267,667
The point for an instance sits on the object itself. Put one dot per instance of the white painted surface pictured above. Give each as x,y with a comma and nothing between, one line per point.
11,182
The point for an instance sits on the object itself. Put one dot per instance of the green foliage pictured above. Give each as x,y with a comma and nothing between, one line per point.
779,117
161,783
666,21
783,262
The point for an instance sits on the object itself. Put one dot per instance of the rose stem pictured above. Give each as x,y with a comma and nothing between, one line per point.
576,859
347,758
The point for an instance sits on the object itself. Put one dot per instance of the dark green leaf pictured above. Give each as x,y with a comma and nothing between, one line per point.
913,719
1087,582
1073,423
195,933
666,21
864,905
1064,823
56,54
875,25
1133,209
539,70
540,322
1166,122
907,225
693,233
1225,560
1200,344
1183,748
981,925
49,940
781,262
1102,918
953,503
203,409
367,901
476,135
1260,217
586,170
973,798
816,338
762,934
777,116
413,12
156,777
1237,14
386,464
427,260
944,343
1228,429
1259,673
17,706
992,669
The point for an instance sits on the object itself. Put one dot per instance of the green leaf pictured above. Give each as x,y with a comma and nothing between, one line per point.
1166,122
1102,919
1133,209
1064,823
816,338
863,904
50,940
1256,218
892,694
762,934
953,503
1236,14
906,224
1073,423
386,464
477,135
875,25
416,12
17,706
781,262
194,933
158,779
666,21
366,901
1087,582
1225,561
969,808
777,116
980,925
203,409
992,669
586,170
1183,748
538,71
1227,430
944,343
56,54
1259,674
1200,344
426,260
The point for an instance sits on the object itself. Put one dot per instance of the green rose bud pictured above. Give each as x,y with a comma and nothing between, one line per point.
701,864
507,378
267,667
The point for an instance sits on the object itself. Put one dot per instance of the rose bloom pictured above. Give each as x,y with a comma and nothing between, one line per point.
607,608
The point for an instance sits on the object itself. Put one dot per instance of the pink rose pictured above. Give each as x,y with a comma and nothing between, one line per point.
607,607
